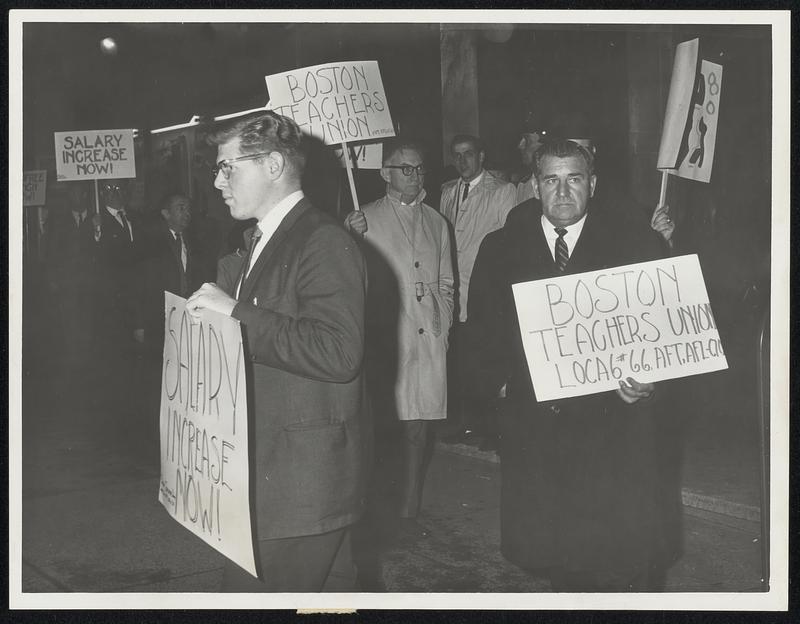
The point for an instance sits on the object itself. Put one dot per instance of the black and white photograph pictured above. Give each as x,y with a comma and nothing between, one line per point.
399,309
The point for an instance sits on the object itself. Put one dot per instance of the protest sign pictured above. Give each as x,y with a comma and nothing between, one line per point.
650,321
335,102
689,133
203,423
364,155
95,155
34,187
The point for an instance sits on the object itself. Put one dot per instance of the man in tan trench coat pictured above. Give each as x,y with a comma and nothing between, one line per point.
409,307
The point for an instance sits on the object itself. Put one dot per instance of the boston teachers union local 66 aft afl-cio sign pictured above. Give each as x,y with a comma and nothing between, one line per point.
584,333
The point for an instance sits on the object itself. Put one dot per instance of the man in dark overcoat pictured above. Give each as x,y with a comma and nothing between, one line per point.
582,499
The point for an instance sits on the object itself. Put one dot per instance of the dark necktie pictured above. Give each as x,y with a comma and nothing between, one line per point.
246,266
562,253
179,248
461,200
124,220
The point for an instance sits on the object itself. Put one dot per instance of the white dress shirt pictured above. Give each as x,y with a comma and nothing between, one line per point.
571,237
269,224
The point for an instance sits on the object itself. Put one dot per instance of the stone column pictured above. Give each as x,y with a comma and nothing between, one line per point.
459,61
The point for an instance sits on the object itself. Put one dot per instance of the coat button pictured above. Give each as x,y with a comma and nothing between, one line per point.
253,358
416,265
421,331
555,409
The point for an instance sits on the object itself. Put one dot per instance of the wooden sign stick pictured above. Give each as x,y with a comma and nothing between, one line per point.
349,167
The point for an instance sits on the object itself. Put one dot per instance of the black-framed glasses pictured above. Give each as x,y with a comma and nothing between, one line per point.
408,169
112,188
225,166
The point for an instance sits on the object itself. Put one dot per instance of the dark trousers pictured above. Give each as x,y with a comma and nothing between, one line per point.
466,409
311,563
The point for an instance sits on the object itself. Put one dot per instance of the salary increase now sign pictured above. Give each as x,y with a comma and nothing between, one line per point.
203,424
584,333
95,155
335,102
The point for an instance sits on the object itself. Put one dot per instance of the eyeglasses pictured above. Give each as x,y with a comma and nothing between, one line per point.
110,188
226,166
408,169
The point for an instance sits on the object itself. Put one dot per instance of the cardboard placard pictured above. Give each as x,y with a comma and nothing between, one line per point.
584,333
95,155
363,155
335,102
204,481
689,134
34,188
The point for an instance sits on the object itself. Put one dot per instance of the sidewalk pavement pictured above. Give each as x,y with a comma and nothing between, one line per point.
91,522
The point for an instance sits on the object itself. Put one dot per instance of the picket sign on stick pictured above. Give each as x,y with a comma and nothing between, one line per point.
689,133
338,103
349,168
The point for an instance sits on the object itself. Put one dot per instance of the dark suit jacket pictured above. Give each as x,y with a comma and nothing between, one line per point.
116,262
70,251
581,486
302,314
161,269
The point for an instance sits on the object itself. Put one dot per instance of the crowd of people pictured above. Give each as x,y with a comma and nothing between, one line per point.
404,314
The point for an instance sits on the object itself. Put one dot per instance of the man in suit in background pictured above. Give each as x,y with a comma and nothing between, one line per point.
583,499
168,263
475,204
300,295
118,241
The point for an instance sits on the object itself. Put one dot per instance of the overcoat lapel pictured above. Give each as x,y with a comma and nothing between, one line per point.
533,255
274,242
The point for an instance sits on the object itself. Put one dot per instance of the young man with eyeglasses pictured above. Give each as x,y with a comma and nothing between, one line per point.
475,203
410,308
299,293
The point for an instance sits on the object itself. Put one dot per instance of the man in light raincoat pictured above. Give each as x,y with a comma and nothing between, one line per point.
475,203
409,308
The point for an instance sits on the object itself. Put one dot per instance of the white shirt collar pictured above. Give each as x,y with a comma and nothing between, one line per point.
571,237
472,183
270,222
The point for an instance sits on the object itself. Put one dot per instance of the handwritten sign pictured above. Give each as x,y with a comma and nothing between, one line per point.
697,149
34,186
363,155
204,462
651,321
335,102
689,134
95,155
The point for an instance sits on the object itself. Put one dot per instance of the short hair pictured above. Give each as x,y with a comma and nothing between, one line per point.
561,148
167,198
265,131
393,146
467,138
